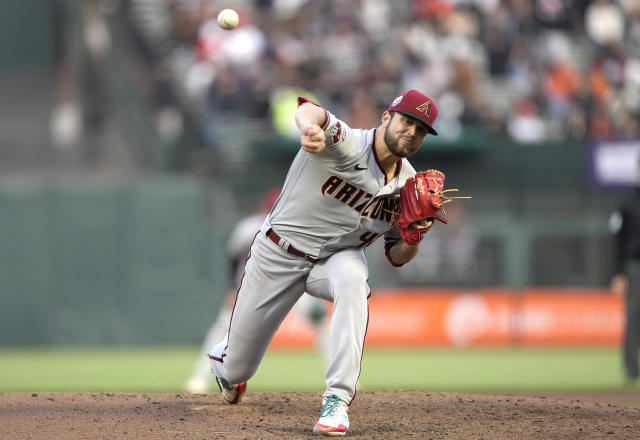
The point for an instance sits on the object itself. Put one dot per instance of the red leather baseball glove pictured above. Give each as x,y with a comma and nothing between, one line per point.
420,199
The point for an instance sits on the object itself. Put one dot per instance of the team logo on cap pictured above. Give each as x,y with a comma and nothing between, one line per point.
396,101
425,108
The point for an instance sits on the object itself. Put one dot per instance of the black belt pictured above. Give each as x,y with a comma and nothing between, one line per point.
276,239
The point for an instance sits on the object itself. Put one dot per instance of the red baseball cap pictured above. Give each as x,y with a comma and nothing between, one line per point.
418,106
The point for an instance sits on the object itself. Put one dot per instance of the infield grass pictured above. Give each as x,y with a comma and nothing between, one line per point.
164,369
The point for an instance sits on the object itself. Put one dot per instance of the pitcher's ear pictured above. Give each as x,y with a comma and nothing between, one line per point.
386,117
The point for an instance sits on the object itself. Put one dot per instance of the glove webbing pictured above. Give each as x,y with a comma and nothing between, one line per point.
395,214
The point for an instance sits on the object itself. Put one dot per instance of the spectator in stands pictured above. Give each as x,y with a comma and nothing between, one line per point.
521,68
524,124
633,24
600,88
562,82
604,22
335,48
498,39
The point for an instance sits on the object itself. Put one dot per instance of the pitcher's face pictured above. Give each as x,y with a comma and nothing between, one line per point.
403,134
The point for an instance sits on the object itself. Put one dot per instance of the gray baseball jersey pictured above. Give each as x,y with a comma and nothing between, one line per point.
338,198
333,204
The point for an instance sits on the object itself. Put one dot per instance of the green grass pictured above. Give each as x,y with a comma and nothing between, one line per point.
496,369
164,369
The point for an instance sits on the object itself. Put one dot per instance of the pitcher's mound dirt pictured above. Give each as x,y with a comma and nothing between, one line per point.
282,415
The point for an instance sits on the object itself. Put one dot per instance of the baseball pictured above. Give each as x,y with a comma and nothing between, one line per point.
228,19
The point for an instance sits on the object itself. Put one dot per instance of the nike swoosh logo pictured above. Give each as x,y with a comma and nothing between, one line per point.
357,168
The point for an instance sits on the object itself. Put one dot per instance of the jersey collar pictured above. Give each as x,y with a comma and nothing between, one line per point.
375,156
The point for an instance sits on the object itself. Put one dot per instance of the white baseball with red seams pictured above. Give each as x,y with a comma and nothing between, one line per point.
228,19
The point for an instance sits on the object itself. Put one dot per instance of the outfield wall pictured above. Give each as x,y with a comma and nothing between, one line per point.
87,261
481,317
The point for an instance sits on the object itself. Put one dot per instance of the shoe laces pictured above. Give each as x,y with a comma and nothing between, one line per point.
330,406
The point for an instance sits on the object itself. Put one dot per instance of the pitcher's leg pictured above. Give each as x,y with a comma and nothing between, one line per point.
271,285
342,278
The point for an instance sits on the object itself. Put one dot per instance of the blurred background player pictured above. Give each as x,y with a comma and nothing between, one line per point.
450,256
625,224
310,309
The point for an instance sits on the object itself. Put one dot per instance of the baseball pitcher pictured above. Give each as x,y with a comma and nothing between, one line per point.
345,189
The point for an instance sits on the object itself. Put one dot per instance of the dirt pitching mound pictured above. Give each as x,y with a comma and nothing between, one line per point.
373,415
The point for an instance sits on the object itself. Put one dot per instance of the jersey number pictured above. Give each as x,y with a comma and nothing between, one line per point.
367,238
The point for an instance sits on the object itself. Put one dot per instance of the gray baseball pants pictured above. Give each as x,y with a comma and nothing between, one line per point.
272,283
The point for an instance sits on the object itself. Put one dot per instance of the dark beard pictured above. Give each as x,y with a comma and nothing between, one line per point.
392,145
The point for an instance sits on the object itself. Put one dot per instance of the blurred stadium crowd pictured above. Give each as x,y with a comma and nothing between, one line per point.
536,70
156,85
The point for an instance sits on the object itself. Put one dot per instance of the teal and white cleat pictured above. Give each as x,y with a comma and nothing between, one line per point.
334,419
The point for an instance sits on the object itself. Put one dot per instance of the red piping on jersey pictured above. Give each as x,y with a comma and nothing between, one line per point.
221,359
375,156
217,359
302,100
387,251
